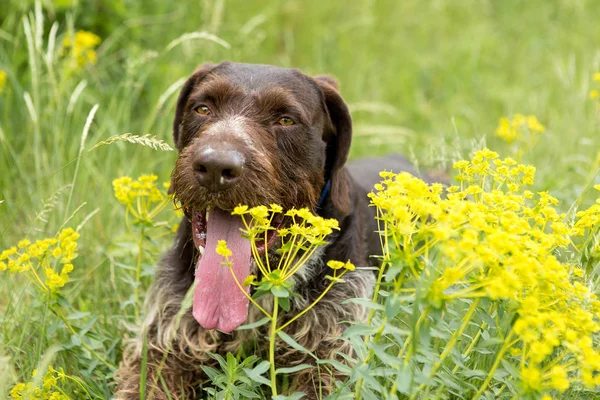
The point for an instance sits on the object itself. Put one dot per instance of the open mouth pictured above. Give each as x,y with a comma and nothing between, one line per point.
199,231
218,301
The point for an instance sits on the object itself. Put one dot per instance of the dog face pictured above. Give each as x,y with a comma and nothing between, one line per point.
254,135
258,134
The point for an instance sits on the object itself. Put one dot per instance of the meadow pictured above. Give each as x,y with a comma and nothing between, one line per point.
429,79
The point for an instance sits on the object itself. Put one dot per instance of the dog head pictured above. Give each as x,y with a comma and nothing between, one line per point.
254,135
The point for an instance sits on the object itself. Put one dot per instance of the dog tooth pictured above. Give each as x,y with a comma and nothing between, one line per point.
207,213
201,250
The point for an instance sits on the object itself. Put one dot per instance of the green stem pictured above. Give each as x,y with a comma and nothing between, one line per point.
465,355
357,389
405,347
311,304
138,273
449,346
507,343
86,129
272,346
385,250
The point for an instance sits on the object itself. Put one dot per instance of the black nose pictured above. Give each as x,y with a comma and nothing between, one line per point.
217,169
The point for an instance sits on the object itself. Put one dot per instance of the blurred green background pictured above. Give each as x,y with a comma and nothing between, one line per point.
429,79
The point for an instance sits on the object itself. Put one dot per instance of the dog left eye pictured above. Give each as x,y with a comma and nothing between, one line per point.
285,121
202,110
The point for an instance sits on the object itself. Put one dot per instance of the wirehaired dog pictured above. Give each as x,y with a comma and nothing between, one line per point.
254,134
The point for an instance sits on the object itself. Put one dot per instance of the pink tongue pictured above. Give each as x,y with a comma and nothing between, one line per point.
218,301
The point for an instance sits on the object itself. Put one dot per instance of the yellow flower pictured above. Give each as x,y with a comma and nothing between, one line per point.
249,280
81,47
534,125
559,379
48,390
518,127
2,80
27,256
531,378
222,249
492,237
240,210
56,252
505,130
333,264
54,281
275,208
594,94
122,189
17,391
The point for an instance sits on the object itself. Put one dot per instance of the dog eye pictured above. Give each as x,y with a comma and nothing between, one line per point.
285,121
202,110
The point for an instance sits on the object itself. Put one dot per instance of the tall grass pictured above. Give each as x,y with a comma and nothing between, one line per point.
428,79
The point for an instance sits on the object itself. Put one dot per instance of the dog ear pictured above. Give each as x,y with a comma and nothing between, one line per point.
186,90
338,137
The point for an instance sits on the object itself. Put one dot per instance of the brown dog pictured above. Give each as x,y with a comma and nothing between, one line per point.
254,134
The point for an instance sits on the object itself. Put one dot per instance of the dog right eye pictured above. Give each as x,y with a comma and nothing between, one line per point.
202,110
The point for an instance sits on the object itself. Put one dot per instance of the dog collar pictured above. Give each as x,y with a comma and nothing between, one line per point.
324,194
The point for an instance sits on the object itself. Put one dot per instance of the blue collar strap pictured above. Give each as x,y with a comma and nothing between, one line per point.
324,194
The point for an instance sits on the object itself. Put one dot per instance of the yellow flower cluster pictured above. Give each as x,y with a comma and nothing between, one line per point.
222,249
303,233
50,255
594,93
335,265
489,237
80,47
128,190
2,80
143,198
517,127
588,219
49,389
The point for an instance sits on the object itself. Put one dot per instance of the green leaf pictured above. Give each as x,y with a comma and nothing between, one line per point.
388,359
295,345
261,368
211,372
76,340
254,324
343,368
285,248
403,379
256,373
284,303
293,396
78,315
265,286
231,364
220,360
293,369
360,330
279,291
259,293
392,307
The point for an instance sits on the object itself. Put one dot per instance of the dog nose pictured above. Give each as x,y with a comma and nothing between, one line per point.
217,169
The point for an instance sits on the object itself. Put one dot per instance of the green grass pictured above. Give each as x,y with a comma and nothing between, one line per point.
427,79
